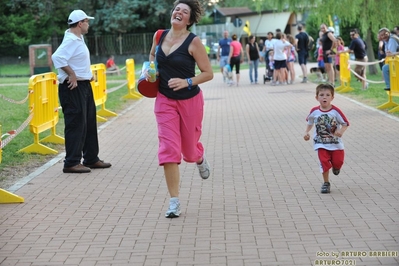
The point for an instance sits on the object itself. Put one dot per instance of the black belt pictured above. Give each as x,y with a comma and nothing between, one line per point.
66,80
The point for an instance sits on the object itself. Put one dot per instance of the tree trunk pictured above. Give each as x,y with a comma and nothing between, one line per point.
370,53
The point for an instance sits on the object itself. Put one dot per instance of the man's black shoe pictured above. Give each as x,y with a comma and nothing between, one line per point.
77,169
98,164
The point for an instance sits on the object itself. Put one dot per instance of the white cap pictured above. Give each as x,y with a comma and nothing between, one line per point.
331,29
77,15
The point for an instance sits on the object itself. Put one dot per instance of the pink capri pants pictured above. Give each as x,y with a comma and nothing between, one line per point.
179,128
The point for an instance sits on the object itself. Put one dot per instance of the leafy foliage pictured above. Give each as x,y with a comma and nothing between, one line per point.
35,21
129,16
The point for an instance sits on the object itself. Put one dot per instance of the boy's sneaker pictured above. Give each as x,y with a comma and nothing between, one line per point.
335,171
204,169
325,188
174,208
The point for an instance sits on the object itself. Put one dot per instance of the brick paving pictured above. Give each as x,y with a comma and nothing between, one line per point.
261,205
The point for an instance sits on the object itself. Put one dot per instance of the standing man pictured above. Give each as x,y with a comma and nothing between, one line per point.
391,46
301,45
328,41
358,48
72,59
224,45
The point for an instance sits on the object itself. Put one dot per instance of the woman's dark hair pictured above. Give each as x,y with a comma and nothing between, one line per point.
234,37
278,35
196,10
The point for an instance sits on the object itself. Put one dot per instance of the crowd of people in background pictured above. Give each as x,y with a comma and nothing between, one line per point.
279,52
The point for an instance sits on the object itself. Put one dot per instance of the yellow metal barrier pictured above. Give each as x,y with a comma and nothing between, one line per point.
393,62
131,81
99,86
43,102
8,197
344,73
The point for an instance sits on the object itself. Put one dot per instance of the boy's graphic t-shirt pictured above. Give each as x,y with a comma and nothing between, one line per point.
326,123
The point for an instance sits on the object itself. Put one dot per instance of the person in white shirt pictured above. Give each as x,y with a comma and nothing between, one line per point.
72,59
280,59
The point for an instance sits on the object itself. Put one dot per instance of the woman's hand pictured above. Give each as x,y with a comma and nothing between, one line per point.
177,84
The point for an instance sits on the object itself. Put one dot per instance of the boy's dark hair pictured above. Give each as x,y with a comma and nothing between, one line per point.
196,10
325,86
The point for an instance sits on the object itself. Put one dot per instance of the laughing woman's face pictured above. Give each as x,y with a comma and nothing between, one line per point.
181,14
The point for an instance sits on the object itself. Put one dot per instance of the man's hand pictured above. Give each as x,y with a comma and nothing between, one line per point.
72,82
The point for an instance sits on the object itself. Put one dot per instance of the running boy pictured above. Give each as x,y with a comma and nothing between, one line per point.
330,124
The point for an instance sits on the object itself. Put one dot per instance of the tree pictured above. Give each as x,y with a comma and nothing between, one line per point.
30,22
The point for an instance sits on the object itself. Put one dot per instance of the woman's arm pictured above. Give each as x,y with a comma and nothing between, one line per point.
197,50
151,56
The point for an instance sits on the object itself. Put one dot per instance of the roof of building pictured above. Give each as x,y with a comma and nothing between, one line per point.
231,11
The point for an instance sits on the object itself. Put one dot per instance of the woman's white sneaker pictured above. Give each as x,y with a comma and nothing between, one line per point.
204,169
174,208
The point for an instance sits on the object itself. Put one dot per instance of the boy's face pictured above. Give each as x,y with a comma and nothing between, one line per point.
324,97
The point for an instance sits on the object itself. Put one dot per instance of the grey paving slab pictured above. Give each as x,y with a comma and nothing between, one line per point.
261,205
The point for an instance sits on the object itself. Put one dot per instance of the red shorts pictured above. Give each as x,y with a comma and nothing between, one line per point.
328,159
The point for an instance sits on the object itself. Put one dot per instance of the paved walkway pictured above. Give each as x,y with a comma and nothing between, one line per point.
261,205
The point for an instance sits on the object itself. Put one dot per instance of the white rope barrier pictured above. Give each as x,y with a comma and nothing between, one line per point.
114,71
365,64
116,88
360,77
14,101
13,133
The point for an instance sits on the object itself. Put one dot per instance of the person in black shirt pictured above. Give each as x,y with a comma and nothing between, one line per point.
253,56
179,104
358,48
301,45
328,41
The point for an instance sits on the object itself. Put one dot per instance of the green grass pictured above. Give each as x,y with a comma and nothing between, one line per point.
13,115
19,69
